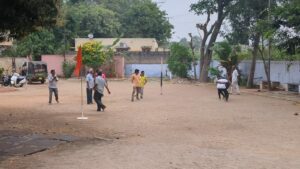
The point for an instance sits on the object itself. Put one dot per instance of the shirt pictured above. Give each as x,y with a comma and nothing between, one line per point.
135,80
52,81
101,83
221,83
235,75
143,80
90,81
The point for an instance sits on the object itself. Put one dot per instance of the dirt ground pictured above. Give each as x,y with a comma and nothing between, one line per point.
185,128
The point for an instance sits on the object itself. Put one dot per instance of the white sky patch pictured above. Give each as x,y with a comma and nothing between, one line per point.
181,18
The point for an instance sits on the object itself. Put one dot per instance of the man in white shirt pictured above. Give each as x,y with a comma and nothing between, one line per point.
100,83
222,86
234,81
52,78
89,86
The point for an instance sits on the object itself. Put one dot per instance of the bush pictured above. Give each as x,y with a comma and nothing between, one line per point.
94,54
68,69
180,60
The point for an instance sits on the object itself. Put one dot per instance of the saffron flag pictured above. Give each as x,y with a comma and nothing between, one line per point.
79,62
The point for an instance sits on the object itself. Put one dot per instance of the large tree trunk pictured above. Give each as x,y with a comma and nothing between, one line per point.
253,63
266,65
208,52
13,64
193,54
204,71
202,50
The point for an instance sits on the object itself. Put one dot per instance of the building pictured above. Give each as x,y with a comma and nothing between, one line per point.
128,44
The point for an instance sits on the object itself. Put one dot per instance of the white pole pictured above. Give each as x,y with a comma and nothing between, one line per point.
81,106
161,75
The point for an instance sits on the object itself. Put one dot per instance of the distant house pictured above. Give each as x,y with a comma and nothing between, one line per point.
128,44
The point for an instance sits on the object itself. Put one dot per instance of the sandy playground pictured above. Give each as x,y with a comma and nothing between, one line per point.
185,128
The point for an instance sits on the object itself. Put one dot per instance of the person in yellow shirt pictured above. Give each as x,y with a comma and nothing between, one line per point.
143,81
135,80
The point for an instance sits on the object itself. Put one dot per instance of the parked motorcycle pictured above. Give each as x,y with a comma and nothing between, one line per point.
6,80
17,80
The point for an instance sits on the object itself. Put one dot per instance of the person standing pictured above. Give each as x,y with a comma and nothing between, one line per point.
234,81
135,80
100,83
52,78
89,86
222,86
143,81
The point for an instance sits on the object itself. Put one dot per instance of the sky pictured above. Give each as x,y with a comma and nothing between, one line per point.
180,17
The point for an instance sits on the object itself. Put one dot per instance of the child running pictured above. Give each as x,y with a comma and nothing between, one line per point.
135,80
222,86
143,81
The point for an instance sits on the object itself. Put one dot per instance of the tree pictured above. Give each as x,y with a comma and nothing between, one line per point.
82,19
196,41
288,37
192,46
129,19
36,44
144,19
229,55
209,7
180,59
21,17
94,54
245,17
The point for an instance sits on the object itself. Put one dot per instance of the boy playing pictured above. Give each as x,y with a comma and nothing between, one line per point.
135,80
143,81
222,86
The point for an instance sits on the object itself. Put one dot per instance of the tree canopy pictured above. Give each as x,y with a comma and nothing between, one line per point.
21,17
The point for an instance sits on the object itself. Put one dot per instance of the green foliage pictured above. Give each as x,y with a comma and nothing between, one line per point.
94,54
105,18
68,69
180,59
214,71
196,42
36,44
21,17
144,19
288,37
11,52
82,19
244,17
228,55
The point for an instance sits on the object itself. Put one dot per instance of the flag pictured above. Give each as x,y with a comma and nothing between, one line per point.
79,62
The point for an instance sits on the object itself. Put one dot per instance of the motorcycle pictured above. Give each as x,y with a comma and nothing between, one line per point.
17,80
6,80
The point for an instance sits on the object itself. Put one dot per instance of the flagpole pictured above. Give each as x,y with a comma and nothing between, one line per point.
81,93
161,75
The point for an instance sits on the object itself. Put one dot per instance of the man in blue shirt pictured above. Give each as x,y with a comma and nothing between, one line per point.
89,86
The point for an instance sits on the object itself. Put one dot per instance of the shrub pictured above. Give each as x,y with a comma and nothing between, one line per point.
180,60
68,69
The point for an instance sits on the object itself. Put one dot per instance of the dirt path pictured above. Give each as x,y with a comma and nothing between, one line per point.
185,128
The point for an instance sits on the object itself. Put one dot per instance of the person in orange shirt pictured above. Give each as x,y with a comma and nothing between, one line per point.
135,80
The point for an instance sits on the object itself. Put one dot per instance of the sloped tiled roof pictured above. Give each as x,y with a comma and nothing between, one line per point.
135,44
